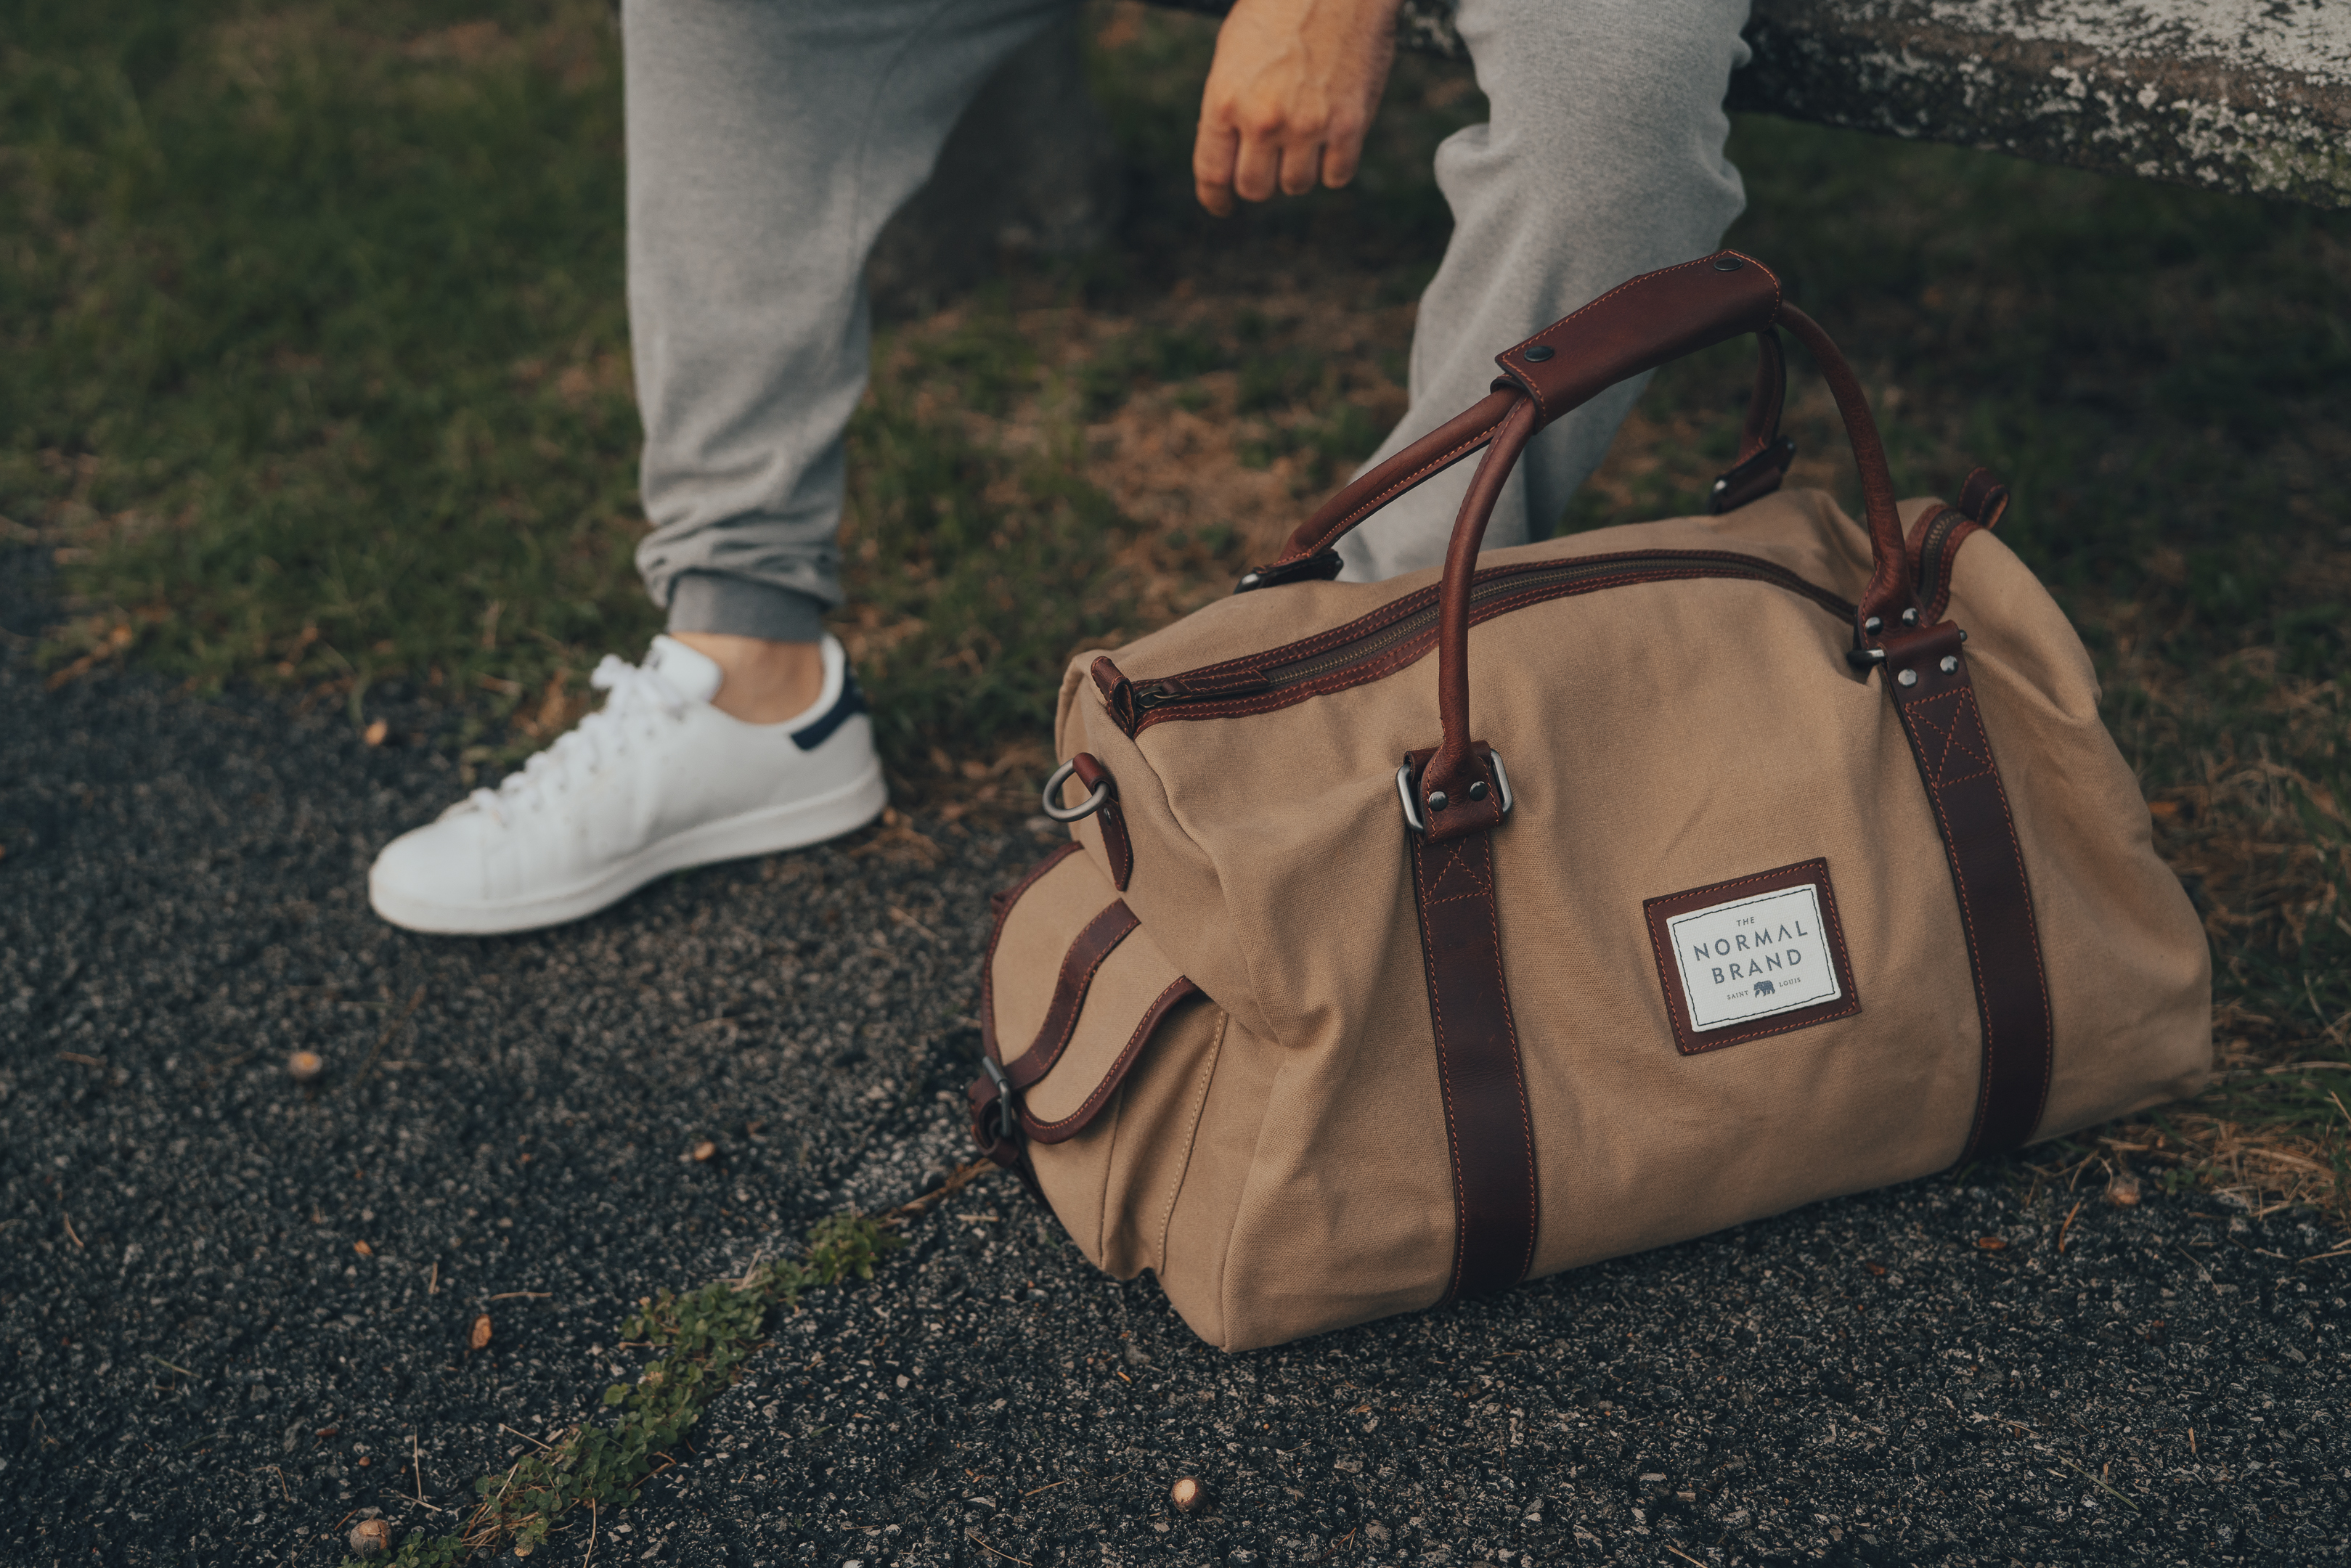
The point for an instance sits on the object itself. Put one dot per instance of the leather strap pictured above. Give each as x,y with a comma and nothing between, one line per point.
1888,592
1120,847
1983,497
1640,324
1093,945
1487,1129
1765,454
1940,713
1077,1121
1432,454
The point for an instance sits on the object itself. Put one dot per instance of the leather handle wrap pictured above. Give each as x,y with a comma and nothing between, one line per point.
1639,325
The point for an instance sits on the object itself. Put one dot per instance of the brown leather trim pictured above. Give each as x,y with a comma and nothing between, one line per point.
1095,943
981,1094
1430,456
1453,770
1765,403
1000,905
1117,693
1109,819
1889,593
1690,1040
1639,325
1256,695
1983,497
1940,716
1933,544
1070,1125
1487,1129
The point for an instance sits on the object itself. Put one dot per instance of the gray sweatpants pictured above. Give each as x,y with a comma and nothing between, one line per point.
769,141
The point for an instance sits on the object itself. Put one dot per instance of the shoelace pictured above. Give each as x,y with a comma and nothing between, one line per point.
635,691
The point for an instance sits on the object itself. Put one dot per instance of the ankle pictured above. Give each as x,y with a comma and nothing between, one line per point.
765,682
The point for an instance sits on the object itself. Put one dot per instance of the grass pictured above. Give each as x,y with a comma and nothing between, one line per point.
700,1340
313,373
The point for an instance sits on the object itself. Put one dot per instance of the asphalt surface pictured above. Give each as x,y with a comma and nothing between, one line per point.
202,1368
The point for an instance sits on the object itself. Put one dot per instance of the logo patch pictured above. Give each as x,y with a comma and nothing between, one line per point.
1754,957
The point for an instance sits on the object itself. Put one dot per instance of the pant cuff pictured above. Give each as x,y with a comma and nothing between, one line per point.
739,606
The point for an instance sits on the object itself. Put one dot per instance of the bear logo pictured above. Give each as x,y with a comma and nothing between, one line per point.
1764,987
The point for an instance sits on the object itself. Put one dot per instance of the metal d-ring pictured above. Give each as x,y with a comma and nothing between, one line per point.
1405,783
1085,808
1404,795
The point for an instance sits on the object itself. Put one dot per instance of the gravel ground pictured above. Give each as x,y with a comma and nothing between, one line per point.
206,1367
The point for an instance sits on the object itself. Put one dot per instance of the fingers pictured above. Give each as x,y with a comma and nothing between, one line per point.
1301,169
1259,170
1341,155
1289,97
1254,162
1215,151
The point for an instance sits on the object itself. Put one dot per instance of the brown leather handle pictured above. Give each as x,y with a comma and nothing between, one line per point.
1750,475
1636,327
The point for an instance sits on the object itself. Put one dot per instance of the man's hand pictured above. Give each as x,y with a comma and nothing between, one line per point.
1289,97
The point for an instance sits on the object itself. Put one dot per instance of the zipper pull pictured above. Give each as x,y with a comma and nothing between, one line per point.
1150,695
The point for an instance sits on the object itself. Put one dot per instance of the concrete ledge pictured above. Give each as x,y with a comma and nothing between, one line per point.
2239,96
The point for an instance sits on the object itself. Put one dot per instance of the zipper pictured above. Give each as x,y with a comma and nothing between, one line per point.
1399,635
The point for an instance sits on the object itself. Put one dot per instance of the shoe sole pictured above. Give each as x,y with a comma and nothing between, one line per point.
762,832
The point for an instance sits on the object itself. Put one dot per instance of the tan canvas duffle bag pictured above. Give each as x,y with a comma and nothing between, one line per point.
1417,937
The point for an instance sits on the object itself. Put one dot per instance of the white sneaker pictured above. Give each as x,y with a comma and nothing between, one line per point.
655,780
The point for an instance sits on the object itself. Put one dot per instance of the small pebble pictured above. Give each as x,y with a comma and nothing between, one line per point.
306,1066
2123,1192
370,1537
1188,1494
376,732
704,1150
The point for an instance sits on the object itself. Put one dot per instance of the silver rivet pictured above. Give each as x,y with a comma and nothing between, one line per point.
1728,264
1539,354
1950,665
1873,625
1909,678
1477,790
1437,800
1910,617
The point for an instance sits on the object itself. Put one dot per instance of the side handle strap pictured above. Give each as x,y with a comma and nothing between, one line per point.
1927,674
1488,1130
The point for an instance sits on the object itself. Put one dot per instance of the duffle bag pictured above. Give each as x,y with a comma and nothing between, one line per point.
1418,938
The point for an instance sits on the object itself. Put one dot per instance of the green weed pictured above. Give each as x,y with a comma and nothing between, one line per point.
699,1342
